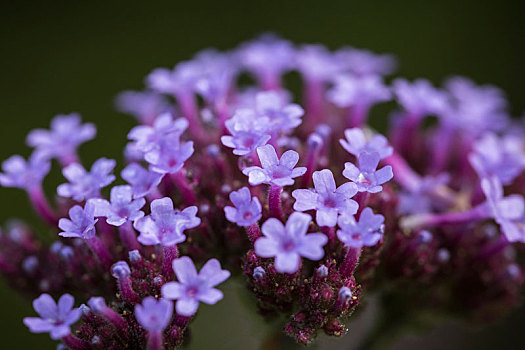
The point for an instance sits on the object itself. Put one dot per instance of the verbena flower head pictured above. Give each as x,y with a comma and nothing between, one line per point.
503,157
55,318
165,225
149,138
365,62
84,185
287,244
328,200
274,171
367,231
248,132
144,106
24,174
283,117
508,212
366,176
247,210
316,63
153,314
192,287
170,156
66,134
354,91
142,181
121,208
356,142
420,98
81,222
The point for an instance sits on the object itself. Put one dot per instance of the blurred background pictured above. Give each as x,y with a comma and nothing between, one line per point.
64,56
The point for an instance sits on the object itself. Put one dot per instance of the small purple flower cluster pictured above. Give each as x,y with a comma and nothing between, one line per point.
217,171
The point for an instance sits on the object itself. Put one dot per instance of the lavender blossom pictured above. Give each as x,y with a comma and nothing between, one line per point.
503,157
328,200
142,181
81,222
148,138
283,117
193,287
121,208
169,158
275,171
420,98
248,132
24,174
364,62
365,232
289,243
508,212
247,210
316,63
358,92
144,106
357,142
165,225
55,318
84,185
62,141
153,314
366,177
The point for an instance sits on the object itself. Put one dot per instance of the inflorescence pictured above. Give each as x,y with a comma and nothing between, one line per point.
309,204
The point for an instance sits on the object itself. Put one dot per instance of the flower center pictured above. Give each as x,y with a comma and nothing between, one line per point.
288,246
192,291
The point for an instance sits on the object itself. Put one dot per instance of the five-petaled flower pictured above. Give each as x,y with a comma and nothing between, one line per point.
365,232
24,174
153,314
274,171
192,287
165,225
327,199
367,177
247,210
84,185
81,222
289,243
356,142
55,318
142,181
121,208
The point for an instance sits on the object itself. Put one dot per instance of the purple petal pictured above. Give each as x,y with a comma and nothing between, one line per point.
210,296
212,273
267,156
311,246
187,307
185,270
289,159
298,223
45,306
173,290
287,262
266,247
324,181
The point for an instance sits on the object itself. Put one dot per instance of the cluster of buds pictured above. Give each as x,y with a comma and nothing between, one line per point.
312,207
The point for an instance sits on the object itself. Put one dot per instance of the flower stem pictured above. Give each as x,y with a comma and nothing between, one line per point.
181,182
41,206
128,236
170,253
479,212
350,262
155,340
253,232
100,251
74,343
274,202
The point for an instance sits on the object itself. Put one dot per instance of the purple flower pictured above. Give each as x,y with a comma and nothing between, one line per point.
288,244
283,117
121,208
55,318
170,156
275,171
503,157
360,92
84,185
81,222
66,134
148,138
165,225
328,200
508,212
153,314
179,80
421,197
365,232
316,63
420,98
366,177
365,62
357,142
24,174
267,57
247,210
120,269
143,105
476,109
142,181
193,287
248,131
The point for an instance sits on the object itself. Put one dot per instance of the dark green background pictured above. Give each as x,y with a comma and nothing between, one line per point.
63,56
